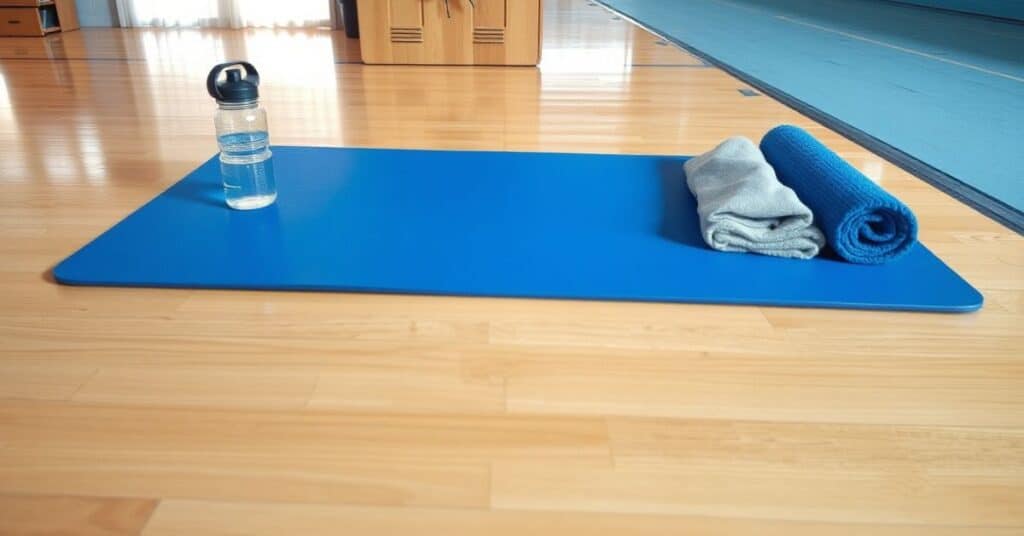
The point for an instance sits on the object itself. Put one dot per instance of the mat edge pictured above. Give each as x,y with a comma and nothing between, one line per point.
948,309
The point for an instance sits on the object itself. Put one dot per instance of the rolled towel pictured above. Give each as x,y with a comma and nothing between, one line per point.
862,222
743,207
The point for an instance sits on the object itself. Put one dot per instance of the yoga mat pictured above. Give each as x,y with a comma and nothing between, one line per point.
542,225
862,222
940,94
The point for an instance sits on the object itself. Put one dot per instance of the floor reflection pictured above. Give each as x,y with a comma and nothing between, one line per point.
130,106
121,99
13,164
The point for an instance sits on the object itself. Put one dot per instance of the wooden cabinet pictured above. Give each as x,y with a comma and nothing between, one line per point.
36,18
452,32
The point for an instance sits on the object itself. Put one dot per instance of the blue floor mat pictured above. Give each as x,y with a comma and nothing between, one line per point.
541,225
939,93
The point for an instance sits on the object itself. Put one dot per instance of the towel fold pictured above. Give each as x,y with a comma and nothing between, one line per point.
743,207
863,223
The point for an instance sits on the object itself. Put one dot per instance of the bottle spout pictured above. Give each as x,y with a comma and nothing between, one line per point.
235,87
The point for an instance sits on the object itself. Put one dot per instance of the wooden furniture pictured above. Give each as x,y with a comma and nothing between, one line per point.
452,32
35,18
195,412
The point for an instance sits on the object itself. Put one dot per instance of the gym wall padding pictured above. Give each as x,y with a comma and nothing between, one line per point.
1006,9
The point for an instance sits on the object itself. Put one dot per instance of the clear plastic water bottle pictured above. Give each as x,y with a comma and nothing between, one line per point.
245,160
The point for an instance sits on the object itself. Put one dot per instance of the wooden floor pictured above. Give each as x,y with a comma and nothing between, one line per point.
207,412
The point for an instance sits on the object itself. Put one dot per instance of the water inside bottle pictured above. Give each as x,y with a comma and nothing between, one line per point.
247,170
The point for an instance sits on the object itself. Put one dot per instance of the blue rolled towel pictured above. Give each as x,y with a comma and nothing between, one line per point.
862,222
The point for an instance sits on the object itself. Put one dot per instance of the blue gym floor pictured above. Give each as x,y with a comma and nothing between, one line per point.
937,92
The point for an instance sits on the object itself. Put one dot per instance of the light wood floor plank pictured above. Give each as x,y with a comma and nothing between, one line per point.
232,474
30,379
436,389
200,386
36,515
309,435
801,448
807,385
174,518
900,496
278,456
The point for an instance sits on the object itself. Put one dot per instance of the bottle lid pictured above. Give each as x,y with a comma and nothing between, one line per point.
234,88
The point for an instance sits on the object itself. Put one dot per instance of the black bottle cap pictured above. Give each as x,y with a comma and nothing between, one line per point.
235,88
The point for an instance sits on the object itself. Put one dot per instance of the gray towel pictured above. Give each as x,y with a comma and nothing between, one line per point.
743,207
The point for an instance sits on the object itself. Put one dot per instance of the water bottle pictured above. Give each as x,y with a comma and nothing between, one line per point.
245,159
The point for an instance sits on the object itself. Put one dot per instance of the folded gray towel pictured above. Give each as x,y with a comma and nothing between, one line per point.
743,207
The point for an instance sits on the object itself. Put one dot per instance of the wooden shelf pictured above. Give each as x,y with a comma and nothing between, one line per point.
26,3
25,18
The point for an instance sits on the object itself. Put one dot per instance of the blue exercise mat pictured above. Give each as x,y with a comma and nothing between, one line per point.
544,225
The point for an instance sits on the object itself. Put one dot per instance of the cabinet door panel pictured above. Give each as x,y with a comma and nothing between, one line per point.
494,32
